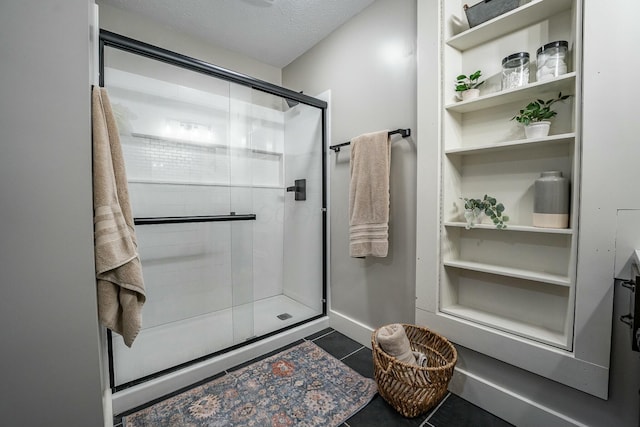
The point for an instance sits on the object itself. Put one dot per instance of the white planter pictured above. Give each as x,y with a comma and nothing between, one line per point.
470,94
537,129
473,217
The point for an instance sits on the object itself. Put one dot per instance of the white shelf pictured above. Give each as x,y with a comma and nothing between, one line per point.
523,228
518,273
522,17
202,144
200,183
513,326
564,83
509,145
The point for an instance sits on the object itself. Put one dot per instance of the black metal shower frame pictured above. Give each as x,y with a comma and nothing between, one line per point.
117,41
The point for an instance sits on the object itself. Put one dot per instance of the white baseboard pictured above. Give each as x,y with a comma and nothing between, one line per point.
352,328
511,407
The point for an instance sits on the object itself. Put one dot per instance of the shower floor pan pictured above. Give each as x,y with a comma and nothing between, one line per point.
166,346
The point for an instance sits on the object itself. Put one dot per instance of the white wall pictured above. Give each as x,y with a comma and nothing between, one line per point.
369,65
140,28
50,348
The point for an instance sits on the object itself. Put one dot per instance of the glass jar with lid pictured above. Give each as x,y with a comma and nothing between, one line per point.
550,60
515,70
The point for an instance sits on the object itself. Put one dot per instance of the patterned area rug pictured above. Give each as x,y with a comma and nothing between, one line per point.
301,386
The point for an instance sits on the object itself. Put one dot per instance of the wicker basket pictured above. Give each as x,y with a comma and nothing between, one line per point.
413,390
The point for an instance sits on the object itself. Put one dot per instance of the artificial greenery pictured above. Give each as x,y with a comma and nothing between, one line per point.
490,207
538,110
471,82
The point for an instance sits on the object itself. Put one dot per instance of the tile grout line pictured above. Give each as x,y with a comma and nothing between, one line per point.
353,352
321,336
426,420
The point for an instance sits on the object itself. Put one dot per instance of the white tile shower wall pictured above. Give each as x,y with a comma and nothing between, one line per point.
164,117
152,200
154,159
179,134
188,267
187,270
268,242
303,219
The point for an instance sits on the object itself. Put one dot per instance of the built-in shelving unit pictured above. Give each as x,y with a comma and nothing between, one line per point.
519,281
519,18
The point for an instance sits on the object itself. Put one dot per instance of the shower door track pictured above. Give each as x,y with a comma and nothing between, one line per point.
117,41
108,38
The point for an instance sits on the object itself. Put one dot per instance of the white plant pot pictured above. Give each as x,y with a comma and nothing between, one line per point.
470,94
473,217
537,129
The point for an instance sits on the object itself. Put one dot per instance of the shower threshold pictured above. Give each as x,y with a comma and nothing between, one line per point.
176,343
155,387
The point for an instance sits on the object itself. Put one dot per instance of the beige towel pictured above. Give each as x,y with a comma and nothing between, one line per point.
369,195
393,340
118,271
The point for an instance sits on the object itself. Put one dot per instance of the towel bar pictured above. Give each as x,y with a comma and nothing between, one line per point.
185,219
403,133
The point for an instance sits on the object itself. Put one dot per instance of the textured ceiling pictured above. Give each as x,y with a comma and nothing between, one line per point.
272,31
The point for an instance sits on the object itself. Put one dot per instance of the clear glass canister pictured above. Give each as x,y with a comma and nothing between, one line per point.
515,70
551,60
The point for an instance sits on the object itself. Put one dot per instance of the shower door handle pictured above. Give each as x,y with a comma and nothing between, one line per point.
300,189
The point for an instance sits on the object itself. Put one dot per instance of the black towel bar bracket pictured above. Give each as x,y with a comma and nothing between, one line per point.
402,132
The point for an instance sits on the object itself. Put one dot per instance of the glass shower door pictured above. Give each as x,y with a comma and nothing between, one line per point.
182,159
241,200
194,146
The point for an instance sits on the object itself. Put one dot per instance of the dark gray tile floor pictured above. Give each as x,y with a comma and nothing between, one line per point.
453,411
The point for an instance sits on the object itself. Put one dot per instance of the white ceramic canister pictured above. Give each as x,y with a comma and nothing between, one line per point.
551,200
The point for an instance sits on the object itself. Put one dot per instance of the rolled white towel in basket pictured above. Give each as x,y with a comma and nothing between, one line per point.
393,340
421,359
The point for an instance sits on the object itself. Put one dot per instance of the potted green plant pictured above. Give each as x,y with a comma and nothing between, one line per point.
467,86
489,206
536,115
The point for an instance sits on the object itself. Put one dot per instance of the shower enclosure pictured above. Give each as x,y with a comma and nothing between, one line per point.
227,186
